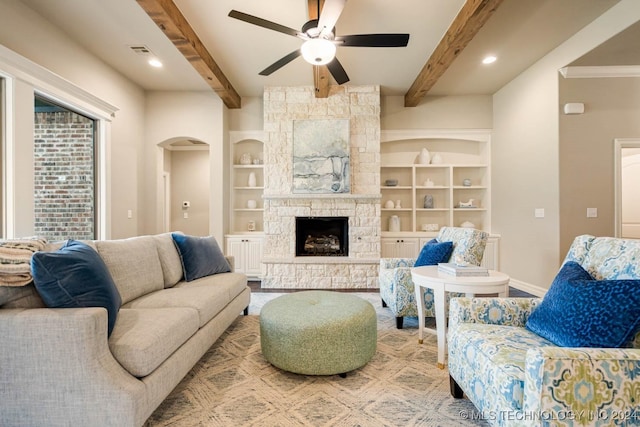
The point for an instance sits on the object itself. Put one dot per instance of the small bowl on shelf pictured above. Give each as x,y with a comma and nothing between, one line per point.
391,182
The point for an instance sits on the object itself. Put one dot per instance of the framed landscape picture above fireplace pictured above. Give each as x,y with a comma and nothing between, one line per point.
321,156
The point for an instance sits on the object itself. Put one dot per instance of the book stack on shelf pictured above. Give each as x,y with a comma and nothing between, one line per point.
462,270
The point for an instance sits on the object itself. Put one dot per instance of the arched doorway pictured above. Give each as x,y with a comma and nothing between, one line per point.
185,186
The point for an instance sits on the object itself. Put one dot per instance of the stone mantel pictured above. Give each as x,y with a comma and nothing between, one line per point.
299,196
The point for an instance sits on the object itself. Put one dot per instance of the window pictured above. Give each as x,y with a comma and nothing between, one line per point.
64,172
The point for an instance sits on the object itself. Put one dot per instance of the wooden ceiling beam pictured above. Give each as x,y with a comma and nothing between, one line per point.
173,24
472,16
320,72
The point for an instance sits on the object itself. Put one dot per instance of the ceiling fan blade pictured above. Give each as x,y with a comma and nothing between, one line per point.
264,23
374,40
280,63
331,11
337,71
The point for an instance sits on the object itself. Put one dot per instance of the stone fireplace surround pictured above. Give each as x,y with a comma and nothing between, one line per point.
281,268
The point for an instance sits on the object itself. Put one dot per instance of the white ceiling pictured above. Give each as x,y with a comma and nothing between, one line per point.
519,33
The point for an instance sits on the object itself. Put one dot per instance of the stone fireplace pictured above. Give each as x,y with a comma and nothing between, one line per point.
357,265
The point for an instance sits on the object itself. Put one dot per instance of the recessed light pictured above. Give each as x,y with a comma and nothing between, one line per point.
154,62
489,59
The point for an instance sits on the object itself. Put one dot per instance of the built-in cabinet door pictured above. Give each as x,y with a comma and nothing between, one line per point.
253,254
247,254
392,247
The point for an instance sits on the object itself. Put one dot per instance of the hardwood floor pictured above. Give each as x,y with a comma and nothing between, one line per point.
255,286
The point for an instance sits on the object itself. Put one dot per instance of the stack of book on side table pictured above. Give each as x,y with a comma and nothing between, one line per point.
462,270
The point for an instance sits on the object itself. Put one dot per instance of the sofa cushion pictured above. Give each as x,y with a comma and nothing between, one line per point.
143,339
491,360
200,256
169,259
134,265
578,311
207,295
75,276
434,252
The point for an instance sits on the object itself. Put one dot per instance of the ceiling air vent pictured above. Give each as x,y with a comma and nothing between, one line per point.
141,49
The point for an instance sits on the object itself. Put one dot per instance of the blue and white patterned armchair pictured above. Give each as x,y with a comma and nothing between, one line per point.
517,378
396,286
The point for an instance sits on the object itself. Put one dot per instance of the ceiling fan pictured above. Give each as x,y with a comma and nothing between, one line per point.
320,41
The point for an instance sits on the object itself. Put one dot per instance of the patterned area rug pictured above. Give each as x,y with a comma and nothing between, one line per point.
233,385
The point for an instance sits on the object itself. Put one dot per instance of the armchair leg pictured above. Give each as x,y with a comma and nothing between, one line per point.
384,304
399,322
455,389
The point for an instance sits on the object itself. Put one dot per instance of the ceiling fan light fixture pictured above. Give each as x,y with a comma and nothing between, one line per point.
318,51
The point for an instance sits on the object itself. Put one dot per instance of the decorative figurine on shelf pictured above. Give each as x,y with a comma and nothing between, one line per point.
466,182
245,159
394,223
428,183
398,204
428,201
251,204
424,157
468,204
389,204
436,159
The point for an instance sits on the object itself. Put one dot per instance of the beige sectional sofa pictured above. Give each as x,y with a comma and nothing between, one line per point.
59,367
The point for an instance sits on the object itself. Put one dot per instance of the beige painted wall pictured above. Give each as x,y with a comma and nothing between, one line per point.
437,112
31,36
249,117
525,155
190,182
187,115
612,110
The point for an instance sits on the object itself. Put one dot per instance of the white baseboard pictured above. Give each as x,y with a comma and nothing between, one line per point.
528,287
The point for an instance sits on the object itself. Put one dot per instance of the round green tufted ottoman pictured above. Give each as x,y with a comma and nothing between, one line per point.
318,332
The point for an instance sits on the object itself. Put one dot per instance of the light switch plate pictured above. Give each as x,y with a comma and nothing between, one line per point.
539,213
592,212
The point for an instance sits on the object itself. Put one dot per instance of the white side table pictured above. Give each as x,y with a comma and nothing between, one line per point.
441,283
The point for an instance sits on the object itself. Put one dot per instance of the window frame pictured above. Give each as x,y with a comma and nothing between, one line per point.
14,68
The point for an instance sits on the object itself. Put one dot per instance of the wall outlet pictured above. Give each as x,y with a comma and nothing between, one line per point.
129,214
539,213
592,212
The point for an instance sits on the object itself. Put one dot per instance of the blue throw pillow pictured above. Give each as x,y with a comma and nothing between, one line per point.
200,256
578,311
75,276
434,252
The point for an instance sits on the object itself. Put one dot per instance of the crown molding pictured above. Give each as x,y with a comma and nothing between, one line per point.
600,71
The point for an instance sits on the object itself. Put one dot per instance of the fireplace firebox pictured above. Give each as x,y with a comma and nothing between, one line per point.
322,236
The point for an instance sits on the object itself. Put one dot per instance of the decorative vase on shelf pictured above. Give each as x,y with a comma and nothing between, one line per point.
389,204
252,179
252,204
398,204
245,159
394,223
436,159
424,157
428,201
